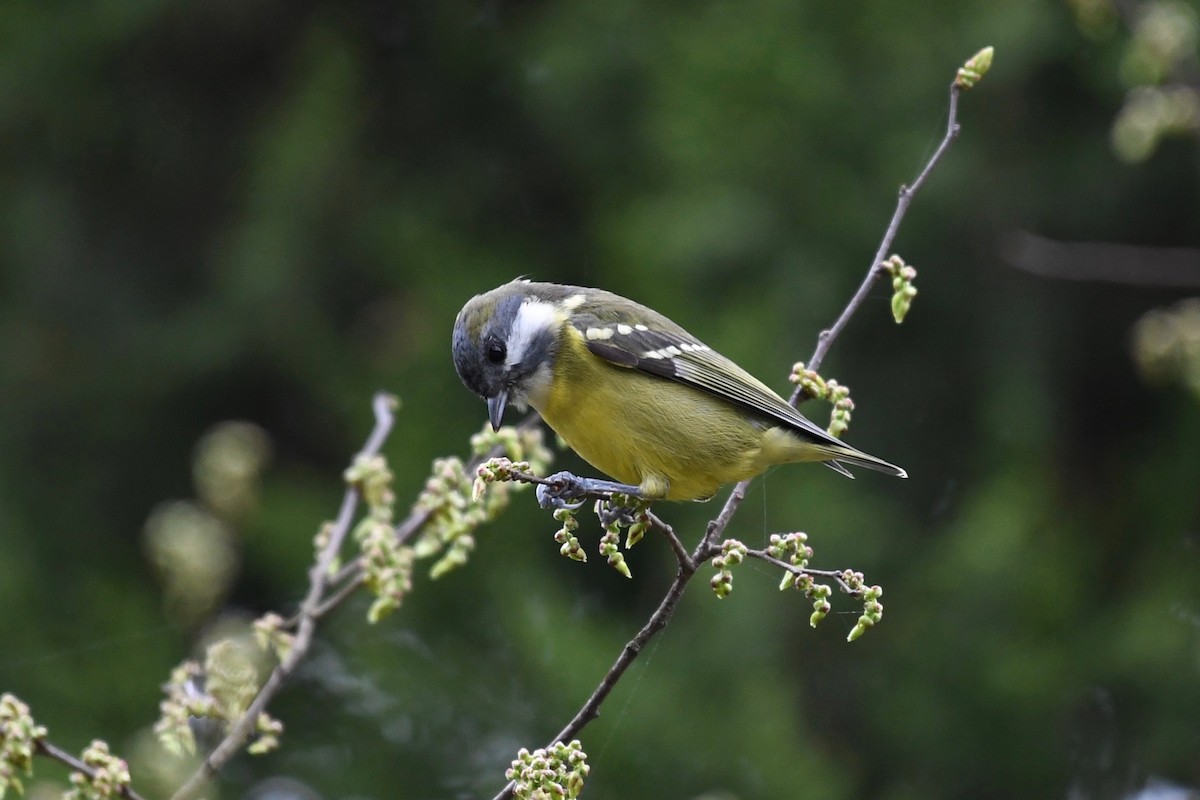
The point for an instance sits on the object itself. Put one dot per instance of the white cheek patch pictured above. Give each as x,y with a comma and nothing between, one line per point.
534,317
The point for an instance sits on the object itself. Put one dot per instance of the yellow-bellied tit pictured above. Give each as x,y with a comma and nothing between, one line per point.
634,394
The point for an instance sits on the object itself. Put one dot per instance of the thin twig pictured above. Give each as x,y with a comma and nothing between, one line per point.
828,336
903,201
58,754
707,548
832,574
681,552
417,517
310,608
658,620
338,597
719,523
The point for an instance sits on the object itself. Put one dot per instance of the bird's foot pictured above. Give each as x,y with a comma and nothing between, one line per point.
568,490
611,513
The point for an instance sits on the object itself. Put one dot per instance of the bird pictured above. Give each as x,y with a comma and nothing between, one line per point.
633,393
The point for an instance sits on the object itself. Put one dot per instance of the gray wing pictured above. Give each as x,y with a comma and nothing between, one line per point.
676,355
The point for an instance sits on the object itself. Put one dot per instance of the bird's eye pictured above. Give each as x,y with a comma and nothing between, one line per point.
496,351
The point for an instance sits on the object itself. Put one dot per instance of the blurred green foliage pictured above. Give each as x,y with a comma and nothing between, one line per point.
264,211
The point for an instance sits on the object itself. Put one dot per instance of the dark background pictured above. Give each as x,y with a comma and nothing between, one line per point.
265,211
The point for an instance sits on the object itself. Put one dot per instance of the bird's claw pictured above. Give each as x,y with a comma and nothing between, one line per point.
564,490
611,513
567,490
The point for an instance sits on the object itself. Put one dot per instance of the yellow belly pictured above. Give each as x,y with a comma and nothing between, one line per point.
674,442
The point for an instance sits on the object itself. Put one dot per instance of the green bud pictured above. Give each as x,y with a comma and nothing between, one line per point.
635,533
19,735
455,557
610,547
902,289
109,777
554,773
860,628
808,380
976,67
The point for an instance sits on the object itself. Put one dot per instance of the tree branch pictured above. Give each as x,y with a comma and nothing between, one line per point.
55,753
833,574
903,201
708,547
681,552
310,610
658,620
409,526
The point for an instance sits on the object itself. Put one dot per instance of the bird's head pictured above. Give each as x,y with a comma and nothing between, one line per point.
505,342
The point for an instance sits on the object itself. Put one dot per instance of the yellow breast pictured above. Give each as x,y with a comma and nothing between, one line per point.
671,440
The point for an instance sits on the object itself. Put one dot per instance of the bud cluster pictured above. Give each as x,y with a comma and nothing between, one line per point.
733,553
839,418
458,503
221,691
270,635
621,511
553,773
831,391
973,71
903,290
792,548
19,735
872,610
109,777
566,534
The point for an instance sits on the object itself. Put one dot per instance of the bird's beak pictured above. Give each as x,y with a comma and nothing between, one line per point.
496,408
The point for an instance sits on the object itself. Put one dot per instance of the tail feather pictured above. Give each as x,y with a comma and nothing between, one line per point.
858,458
839,469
